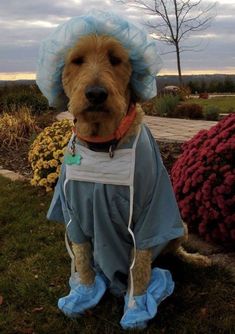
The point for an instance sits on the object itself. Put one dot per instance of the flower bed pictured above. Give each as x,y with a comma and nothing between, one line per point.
204,180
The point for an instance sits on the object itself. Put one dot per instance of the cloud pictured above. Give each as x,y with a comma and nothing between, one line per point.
25,23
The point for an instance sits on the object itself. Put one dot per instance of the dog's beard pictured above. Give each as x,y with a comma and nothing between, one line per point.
95,129
97,116
97,123
96,109
98,120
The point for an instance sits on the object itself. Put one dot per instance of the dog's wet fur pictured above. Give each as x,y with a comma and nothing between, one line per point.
96,79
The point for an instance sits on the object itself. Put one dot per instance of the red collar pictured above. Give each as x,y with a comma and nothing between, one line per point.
120,132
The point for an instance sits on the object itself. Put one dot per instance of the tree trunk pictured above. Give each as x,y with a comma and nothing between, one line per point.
178,64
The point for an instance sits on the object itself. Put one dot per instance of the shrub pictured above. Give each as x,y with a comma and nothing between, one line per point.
161,105
186,110
37,103
18,96
184,93
165,105
212,113
46,153
203,95
16,127
204,178
149,107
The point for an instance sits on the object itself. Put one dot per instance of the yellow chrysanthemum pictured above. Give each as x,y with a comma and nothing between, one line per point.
33,182
51,147
58,169
52,177
57,154
43,182
53,163
46,153
39,164
37,178
46,165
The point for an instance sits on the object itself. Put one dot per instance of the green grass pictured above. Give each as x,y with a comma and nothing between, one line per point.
224,103
34,270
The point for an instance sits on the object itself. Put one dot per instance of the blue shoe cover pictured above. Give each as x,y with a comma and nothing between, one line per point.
82,297
145,306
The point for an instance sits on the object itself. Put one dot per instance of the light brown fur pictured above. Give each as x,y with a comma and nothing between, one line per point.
102,61
95,53
83,256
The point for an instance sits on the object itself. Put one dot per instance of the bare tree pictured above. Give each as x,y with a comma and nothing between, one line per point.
173,21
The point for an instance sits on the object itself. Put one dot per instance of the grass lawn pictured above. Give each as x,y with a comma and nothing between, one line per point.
34,271
224,103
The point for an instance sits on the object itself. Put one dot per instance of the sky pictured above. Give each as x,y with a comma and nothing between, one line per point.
25,23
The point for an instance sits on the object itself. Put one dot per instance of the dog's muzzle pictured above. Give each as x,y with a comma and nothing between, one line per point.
96,95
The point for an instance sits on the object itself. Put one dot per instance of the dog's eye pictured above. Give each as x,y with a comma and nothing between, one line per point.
114,61
78,61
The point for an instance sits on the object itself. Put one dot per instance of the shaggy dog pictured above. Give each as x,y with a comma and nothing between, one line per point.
102,80
96,79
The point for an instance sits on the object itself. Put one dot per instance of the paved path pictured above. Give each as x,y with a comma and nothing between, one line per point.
175,129
167,129
11,175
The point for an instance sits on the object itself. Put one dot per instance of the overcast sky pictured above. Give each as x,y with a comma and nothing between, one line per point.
25,23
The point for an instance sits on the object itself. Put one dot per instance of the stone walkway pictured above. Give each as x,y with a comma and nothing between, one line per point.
175,129
167,129
11,175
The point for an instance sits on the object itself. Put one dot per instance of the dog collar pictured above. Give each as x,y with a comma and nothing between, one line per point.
120,132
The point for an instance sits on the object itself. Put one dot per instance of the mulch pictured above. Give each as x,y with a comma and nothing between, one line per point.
16,158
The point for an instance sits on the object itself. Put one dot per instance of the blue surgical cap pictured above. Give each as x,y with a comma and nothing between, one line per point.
141,48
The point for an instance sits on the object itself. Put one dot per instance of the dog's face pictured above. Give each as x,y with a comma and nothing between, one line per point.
96,79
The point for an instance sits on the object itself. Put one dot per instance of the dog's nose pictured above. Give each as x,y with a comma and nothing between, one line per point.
96,94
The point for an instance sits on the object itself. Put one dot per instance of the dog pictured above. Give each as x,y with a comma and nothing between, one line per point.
97,80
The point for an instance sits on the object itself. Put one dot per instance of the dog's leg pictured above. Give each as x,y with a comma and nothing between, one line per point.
141,271
83,255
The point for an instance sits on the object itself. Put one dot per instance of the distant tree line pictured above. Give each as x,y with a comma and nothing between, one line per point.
226,85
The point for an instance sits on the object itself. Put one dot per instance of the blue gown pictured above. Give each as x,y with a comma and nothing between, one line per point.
99,213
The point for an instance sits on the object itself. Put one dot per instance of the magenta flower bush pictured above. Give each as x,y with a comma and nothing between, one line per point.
204,182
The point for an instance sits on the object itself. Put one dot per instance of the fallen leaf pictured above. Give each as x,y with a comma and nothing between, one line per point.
88,313
1,300
37,309
204,312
